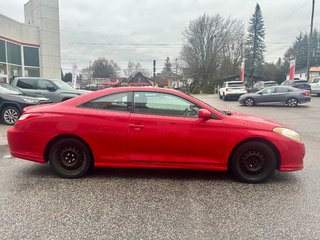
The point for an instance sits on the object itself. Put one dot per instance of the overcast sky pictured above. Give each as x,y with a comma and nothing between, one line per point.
90,28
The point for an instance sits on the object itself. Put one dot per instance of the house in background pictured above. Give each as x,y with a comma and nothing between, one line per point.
139,80
302,73
168,80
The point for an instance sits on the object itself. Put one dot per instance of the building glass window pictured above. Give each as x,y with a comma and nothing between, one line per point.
14,71
2,51
31,56
31,72
3,69
14,53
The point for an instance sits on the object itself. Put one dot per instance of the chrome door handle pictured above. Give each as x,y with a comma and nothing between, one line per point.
136,126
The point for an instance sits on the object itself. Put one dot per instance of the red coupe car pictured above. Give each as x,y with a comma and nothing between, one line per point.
152,128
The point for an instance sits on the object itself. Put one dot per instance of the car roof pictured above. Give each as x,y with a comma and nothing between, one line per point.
234,82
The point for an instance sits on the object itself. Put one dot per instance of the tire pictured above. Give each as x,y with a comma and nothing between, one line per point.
10,115
70,158
292,102
224,98
220,97
249,102
253,162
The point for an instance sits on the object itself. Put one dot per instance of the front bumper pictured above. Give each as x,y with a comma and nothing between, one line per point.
292,154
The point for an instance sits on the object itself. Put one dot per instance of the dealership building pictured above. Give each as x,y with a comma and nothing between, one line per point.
31,49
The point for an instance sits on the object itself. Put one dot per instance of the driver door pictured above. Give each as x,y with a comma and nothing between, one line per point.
165,128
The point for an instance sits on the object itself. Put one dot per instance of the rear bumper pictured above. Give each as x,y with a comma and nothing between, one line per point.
22,145
305,99
234,95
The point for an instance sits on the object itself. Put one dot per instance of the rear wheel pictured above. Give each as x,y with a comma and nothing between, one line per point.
249,102
10,115
292,102
70,158
224,97
253,162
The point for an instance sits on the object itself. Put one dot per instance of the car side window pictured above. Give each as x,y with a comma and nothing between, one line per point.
164,104
26,83
44,84
113,102
268,90
282,90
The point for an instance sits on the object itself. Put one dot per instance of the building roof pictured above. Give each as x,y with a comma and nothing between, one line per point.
315,69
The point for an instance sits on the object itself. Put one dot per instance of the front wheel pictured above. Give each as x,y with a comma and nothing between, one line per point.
70,158
249,102
253,162
10,115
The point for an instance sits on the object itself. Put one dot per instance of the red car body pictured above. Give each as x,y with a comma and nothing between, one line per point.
129,139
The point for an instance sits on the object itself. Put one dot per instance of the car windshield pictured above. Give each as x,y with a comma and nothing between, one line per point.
270,84
315,80
236,84
207,104
62,85
6,88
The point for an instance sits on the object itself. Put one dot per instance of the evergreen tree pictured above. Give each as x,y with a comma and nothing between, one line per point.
167,66
254,45
299,50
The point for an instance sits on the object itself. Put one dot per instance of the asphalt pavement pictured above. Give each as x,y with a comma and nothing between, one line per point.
166,204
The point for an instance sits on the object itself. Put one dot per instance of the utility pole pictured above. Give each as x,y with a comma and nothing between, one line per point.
310,41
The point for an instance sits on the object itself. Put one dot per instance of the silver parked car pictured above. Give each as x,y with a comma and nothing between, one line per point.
276,95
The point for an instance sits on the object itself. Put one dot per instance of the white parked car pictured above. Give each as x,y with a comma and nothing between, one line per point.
315,86
232,90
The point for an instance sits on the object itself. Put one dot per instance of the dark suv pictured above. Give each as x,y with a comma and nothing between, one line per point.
54,89
12,102
301,84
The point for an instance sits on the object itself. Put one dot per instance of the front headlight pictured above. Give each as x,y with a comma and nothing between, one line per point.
30,100
287,133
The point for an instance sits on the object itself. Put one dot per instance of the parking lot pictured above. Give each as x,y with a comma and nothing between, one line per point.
166,204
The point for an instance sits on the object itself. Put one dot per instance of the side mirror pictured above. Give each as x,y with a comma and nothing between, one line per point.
204,114
51,89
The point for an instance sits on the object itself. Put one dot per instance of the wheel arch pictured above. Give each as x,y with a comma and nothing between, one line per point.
60,137
7,104
270,144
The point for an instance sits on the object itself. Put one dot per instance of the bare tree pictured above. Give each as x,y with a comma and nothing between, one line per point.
208,40
134,68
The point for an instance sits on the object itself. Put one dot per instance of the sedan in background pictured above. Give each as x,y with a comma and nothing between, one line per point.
142,127
12,102
301,84
276,95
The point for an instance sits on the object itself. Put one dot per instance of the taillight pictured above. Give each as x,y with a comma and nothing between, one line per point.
306,93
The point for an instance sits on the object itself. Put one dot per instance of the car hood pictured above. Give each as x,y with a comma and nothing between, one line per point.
249,95
15,97
74,92
252,122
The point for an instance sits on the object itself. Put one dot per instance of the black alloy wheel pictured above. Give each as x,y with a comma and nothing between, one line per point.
292,102
10,115
249,102
253,162
70,158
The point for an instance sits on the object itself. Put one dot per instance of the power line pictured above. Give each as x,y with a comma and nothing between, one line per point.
287,17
